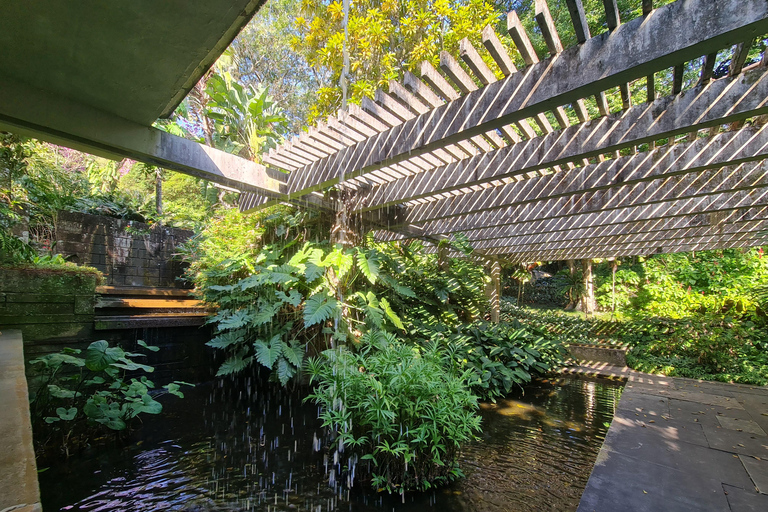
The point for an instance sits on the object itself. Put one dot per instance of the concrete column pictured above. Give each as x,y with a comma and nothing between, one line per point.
588,297
493,290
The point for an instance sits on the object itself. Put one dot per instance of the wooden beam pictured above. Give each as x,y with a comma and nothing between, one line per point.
677,78
719,101
589,212
632,50
517,32
498,52
685,235
740,54
719,220
471,58
746,145
708,68
547,26
612,18
579,19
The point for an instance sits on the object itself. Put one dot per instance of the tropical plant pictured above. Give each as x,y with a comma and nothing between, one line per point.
246,120
69,390
500,357
397,412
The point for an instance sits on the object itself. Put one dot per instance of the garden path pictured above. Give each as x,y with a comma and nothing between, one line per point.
680,445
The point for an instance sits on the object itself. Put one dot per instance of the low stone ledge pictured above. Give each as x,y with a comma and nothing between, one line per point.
615,356
19,490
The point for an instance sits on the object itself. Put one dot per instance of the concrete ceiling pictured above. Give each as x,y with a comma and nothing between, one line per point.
135,59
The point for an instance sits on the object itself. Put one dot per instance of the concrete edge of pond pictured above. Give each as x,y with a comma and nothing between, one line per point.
679,445
19,490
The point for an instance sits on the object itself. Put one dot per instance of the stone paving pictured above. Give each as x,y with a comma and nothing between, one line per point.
18,473
681,445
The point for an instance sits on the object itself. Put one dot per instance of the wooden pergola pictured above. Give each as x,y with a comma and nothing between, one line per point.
517,164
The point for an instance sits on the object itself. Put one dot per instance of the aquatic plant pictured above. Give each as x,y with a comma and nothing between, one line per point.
69,390
399,414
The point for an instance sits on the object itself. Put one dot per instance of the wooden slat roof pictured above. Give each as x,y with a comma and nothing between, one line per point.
511,158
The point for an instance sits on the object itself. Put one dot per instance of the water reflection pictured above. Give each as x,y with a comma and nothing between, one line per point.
225,450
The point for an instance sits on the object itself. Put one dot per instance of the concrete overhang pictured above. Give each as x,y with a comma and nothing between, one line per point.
94,75
136,59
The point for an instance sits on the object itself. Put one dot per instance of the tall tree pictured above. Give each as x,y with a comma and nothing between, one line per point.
262,57
386,37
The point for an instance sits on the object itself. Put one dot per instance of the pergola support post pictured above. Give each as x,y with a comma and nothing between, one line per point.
493,290
588,293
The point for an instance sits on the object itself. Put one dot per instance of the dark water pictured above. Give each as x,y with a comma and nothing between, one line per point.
219,450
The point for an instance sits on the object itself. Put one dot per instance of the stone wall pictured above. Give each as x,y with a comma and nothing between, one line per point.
55,309
128,253
46,304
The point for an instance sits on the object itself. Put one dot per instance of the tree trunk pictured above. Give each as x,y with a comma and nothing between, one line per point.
493,291
159,192
571,300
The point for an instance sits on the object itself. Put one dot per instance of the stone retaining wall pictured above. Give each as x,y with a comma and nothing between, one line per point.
55,309
47,304
128,253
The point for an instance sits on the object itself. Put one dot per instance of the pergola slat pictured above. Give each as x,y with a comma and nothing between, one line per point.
584,216
632,50
708,105
731,147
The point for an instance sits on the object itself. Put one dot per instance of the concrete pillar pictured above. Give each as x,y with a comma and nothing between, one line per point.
588,297
493,290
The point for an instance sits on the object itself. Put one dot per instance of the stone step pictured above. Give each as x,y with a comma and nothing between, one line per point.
615,355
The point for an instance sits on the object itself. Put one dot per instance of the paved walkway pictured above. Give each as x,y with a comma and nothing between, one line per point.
681,445
18,474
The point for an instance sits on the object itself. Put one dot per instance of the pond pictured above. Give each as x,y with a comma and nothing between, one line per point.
257,448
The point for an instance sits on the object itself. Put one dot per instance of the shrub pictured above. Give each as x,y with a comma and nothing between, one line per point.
398,407
498,356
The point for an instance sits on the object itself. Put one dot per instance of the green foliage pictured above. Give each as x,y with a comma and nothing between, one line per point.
396,407
72,390
711,347
245,119
385,39
684,284
498,356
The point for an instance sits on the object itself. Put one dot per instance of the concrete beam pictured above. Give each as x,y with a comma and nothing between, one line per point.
632,50
19,489
39,114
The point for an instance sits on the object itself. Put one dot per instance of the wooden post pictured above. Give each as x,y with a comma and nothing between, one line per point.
588,298
493,290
